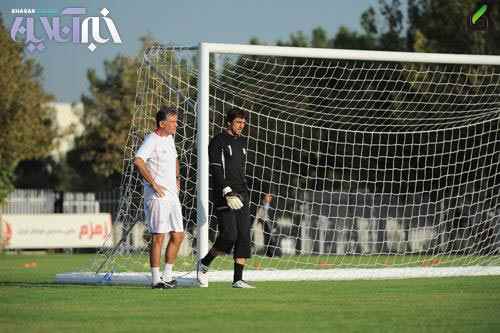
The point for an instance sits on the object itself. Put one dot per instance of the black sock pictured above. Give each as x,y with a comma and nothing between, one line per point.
207,260
238,272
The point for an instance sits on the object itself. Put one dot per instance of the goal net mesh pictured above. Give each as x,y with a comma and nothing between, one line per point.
365,164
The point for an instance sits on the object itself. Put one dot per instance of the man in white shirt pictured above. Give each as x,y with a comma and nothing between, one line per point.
156,160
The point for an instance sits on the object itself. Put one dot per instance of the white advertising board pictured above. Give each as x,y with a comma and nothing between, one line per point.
46,231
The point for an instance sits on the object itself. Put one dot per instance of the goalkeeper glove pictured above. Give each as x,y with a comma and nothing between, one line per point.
232,199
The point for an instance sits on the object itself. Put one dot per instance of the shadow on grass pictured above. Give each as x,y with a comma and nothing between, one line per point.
29,284
46,284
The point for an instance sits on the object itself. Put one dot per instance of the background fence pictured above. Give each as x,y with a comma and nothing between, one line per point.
42,201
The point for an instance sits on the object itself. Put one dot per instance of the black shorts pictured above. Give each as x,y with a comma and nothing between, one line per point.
234,231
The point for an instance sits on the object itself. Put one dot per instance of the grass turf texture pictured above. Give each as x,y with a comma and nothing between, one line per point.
29,301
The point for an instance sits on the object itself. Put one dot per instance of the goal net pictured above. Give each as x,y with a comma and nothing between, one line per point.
360,164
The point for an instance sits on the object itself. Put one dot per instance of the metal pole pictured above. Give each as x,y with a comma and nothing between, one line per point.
203,137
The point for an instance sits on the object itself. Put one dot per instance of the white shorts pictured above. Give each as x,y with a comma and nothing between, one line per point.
163,215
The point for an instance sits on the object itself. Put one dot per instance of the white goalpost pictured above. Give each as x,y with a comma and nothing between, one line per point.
378,164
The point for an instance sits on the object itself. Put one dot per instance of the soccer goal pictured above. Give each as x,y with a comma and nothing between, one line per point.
361,164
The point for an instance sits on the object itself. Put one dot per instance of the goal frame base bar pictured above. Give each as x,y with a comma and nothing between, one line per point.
188,279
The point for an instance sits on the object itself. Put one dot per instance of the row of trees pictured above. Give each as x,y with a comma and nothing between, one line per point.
26,127
425,26
27,134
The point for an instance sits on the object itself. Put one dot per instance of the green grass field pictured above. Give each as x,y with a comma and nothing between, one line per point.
31,302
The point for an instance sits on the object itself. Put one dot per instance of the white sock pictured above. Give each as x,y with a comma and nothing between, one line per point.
167,273
155,275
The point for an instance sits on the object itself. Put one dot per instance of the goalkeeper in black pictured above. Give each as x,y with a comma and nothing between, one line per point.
230,196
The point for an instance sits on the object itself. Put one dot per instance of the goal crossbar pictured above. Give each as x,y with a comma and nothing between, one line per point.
345,54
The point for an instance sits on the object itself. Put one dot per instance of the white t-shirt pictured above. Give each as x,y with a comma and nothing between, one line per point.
160,156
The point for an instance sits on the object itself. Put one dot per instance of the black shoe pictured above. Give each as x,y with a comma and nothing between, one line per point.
165,284
172,284
159,285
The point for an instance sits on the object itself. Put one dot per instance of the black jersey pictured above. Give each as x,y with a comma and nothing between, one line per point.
227,156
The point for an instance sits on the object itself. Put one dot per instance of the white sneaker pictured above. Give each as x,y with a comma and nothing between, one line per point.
242,284
202,274
167,278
